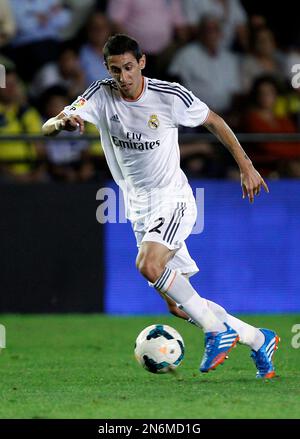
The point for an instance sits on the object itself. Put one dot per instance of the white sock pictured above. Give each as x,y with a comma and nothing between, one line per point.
181,291
249,335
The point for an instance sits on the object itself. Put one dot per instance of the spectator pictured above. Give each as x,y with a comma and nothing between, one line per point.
5,64
91,53
229,12
256,21
39,24
271,157
153,23
80,12
66,73
7,23
200,159
66,157
17,117
210,72
264,58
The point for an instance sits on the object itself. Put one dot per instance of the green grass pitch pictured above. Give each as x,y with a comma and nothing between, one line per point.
82,366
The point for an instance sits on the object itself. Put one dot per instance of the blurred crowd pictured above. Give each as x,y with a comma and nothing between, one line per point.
228,55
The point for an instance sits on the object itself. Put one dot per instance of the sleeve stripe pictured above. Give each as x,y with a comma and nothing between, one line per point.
172,87
87,97
176,87
91,90
90,87
96,85
171,92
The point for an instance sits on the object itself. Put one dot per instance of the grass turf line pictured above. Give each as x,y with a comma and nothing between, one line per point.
82,366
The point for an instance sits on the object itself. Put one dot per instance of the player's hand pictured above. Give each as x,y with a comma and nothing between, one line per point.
252,182
72,123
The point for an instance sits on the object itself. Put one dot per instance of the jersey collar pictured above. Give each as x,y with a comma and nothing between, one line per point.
141,95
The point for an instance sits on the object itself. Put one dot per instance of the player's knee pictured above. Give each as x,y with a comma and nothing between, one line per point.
149,268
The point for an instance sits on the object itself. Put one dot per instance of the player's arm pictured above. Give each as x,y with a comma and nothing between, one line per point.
251,180
62,122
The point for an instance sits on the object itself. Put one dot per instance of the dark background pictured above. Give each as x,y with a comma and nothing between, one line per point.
51,249
281,17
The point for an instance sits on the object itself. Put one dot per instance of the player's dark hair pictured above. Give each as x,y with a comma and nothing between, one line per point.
119,44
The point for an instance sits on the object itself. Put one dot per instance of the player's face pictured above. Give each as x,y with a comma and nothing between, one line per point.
127,72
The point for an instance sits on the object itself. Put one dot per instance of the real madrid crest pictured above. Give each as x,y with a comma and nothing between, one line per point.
153,122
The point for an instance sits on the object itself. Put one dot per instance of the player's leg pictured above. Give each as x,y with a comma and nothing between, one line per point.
151,262
263,342
249,335
175,309
219,337
164,236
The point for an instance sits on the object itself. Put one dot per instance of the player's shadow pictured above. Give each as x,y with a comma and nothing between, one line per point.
199,378
241,380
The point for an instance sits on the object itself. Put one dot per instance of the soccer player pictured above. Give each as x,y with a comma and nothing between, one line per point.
138,120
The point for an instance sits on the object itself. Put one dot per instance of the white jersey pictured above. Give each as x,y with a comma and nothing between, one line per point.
140,138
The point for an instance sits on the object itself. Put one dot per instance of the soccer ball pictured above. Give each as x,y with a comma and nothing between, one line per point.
159,348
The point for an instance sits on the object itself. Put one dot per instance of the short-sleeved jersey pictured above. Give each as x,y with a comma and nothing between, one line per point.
140,138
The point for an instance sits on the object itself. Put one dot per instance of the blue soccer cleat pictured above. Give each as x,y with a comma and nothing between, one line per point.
263,357
217,346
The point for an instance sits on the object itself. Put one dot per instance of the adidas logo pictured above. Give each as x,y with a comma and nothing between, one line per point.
115,118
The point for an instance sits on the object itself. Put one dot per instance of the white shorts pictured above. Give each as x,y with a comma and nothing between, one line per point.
170,224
